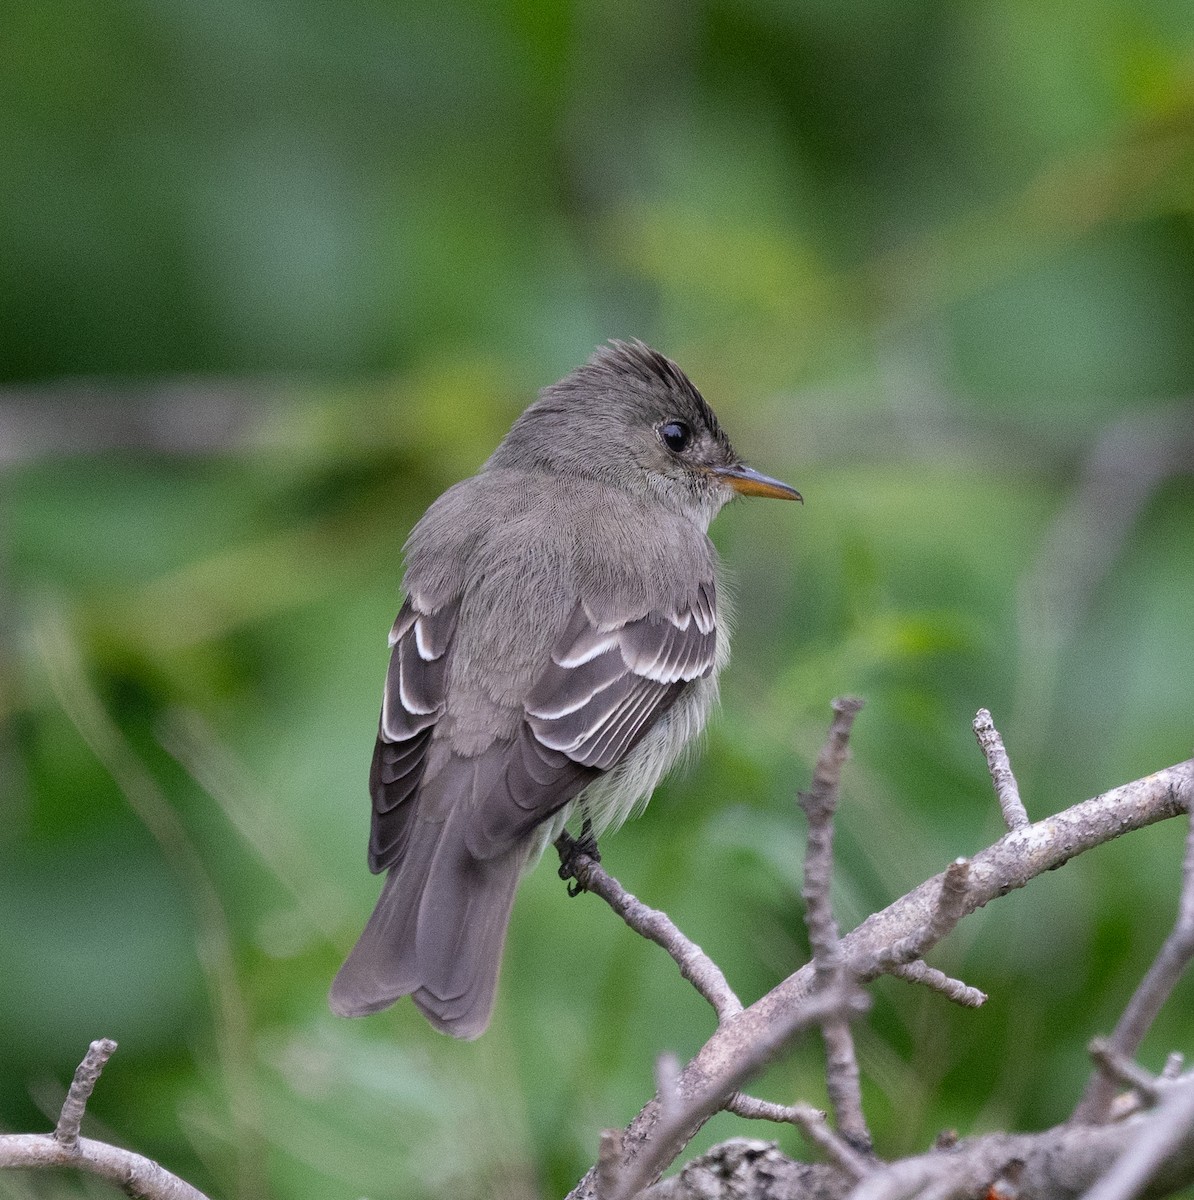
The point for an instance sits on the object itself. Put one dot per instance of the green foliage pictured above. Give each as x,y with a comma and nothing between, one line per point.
922,258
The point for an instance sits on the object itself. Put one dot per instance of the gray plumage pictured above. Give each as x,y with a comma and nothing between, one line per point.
560,639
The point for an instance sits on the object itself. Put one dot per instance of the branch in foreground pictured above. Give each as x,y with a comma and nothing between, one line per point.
1060,1163
1172,959
674,1131
1012,862
811,1122
819,804
134,1174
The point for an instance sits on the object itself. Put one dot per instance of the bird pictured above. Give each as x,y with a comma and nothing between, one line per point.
558,648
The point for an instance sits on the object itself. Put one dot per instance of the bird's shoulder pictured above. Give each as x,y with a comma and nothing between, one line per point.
518,530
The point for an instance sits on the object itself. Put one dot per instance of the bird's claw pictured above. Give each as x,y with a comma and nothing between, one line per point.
575,855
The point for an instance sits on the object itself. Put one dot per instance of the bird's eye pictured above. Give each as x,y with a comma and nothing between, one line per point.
675,435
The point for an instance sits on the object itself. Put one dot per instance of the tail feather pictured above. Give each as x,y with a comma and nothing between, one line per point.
437,932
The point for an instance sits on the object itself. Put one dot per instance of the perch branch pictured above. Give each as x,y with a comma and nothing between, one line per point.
695,965
1010,863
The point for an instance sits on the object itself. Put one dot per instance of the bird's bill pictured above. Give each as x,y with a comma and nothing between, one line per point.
746,481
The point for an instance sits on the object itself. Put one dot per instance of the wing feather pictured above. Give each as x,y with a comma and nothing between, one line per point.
606,685
412,702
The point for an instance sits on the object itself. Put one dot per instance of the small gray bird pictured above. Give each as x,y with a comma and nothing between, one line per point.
559,643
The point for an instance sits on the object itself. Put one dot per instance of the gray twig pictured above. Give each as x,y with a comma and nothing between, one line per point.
1015,816
669,1137
695,965
811,1122
820,804
66,1134
952,989
1148,999
132,1173
1125,1071
947,912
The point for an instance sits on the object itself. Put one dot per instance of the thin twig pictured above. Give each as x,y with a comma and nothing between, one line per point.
1148,999
947,912
811,1122
819,804
1125,1071
695,965
66,1134
952,989
1015,815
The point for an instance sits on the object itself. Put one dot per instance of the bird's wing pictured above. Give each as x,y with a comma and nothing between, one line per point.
412,703
605,686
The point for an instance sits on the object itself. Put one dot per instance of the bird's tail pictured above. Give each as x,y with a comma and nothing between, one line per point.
436,934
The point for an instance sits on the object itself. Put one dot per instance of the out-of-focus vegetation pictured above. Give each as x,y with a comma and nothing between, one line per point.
933,263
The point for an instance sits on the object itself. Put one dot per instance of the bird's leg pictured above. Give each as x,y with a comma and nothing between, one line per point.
587,842
575,854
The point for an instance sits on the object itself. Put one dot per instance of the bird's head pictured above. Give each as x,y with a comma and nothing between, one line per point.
631,418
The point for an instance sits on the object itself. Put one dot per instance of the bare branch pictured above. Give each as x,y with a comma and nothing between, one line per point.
134,1174
1148,999
609,1164
1143,1157
695,965
819,804
1007,791
1122,1070
952,989
947,912
83,1084
669,1137
811,1122
1012,862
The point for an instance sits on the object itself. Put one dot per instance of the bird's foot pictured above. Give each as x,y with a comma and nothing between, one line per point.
575,855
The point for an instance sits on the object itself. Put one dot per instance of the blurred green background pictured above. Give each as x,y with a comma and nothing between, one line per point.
274,275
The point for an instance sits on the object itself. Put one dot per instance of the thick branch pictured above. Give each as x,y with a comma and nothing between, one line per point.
1012,862
134,1174
1059,1164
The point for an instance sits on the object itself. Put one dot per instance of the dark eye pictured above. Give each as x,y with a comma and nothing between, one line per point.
675,435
